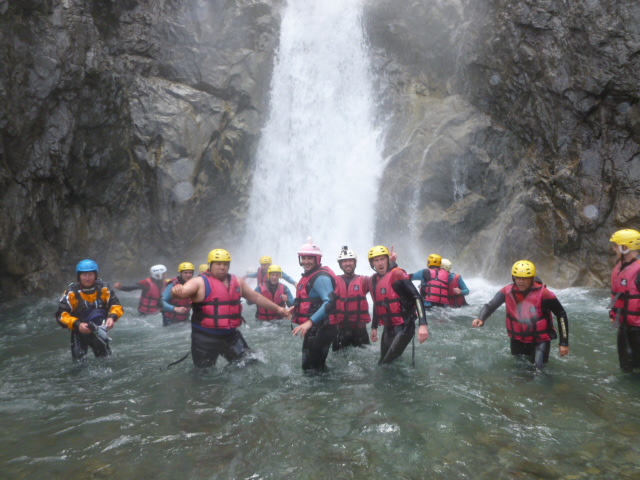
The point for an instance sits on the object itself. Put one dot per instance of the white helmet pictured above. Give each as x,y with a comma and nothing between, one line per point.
446,264
310,249
157,271
346,254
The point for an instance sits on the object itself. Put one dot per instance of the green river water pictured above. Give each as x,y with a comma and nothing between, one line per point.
468,409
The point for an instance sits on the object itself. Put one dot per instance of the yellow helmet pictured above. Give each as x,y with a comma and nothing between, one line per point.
274,269
377,251
219,255
434,260
266,259
203,268
523,268
627,238
186,266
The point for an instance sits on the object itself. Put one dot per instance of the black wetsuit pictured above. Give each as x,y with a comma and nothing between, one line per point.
536,352
395,338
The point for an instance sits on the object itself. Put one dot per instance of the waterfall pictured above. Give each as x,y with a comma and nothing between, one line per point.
318,162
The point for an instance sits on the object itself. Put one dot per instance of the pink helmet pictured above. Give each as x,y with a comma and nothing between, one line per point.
310,249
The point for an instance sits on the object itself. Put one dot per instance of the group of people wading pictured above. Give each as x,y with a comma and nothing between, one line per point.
331,312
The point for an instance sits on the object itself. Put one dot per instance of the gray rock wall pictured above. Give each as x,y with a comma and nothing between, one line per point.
127,130
519,124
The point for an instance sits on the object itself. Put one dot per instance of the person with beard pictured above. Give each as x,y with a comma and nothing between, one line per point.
351,312
88,308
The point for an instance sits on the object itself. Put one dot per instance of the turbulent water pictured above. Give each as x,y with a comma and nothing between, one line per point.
468,409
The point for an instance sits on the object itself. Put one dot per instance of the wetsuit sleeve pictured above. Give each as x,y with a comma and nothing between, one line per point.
554,305
135,286
417,275
166,300
492,306
290,299
115,308
461,285
252,275
66,306
322,287
410,298
257,289
288,279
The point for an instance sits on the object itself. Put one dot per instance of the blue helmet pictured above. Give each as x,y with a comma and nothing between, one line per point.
86,266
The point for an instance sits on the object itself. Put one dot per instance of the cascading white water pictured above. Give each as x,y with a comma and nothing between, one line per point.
318,161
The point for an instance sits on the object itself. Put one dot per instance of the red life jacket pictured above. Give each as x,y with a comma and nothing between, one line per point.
263,277
526,321
175,317
305,306
456,300
623,282
222,307
351,301
150,299
263,313
436,290
386,302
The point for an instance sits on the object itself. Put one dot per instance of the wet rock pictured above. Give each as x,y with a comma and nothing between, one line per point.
553,165
127,131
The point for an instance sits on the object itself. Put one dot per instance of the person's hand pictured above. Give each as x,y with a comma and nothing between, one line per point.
374,334
423,333
117,286
477,323
457,291
564,350
178,291
393,256
110,323
181,310
84,328
284,297
303,329
285,313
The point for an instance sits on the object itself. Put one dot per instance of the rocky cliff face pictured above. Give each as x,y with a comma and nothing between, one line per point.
515,127
127,130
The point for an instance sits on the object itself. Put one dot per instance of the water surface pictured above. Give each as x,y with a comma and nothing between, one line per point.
468,409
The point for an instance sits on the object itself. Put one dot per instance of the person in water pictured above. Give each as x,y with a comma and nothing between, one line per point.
177,310
263,272
457,288
275,291
88,308
434,283
625,297
351,311
152,288
310,310
217,311
396,305
529,320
